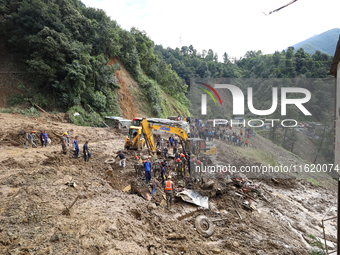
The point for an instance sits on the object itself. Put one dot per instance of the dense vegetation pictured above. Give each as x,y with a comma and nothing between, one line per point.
66,47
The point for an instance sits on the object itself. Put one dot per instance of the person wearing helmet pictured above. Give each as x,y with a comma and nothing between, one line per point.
64,143
34,139
136,165
178,167
183,166
169,186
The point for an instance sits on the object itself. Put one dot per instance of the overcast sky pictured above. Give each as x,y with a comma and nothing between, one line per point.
223,25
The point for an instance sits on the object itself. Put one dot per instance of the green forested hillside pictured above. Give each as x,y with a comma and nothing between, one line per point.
189,63
325,42
66,47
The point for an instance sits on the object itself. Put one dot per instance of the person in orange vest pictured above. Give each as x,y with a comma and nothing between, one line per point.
246,143
169,185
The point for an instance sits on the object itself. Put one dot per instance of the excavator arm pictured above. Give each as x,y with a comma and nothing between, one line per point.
147,131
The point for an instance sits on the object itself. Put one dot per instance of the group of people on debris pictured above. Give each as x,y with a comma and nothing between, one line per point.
65,142
31,138
183,163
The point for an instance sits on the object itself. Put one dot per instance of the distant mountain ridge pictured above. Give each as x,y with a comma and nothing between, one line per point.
325,42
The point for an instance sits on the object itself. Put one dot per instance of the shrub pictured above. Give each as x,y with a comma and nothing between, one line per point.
84,118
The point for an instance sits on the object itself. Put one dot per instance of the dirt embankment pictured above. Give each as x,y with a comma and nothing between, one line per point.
130,102
36,185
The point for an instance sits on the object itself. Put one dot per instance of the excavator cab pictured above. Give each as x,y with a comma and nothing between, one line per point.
196,146
134,140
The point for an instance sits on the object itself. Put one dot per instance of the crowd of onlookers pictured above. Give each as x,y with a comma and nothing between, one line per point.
207,132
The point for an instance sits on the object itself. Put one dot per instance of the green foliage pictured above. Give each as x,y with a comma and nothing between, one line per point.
66,48
85,118
32,111
316,243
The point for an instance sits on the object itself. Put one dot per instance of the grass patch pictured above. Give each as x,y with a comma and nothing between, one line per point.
316,243
315,182
265,158
30,112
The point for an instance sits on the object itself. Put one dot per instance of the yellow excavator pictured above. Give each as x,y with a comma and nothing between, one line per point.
139,136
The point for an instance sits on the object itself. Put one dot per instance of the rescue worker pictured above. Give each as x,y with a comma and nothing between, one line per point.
42,138
169,191
136,165
158,142
28,139
163,175
68,137
176,141
147,168
183,160
64,143
171,141
139,166
156,167
34,139
122,159
177,155
76,147
45,138
166,151
178,167
246,143
174,150
87,154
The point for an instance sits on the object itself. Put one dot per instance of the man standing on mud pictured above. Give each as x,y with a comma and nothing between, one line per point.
64,143
76,147
42,138
169,191
122,159
45,138
147,167
87,154
28,138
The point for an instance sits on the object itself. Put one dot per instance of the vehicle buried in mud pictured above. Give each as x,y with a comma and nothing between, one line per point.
194,197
